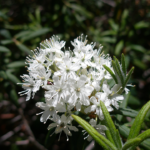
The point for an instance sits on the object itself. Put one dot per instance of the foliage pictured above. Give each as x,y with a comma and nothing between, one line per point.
120,26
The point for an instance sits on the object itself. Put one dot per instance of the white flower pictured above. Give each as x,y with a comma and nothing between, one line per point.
80,46
57,91
95,107
80,92
50,58
100,128
126,89
63,124
53,45
112,94
37,58
50,110
68,68
41,76
84,59
28,85
72,79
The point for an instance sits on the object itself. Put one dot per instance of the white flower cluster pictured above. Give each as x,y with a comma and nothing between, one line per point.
72,80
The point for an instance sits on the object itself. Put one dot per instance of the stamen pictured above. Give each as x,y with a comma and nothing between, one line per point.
86,137
84,133
52,133
39,113
67,137
59,136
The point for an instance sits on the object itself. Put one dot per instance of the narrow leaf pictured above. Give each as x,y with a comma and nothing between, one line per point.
5,33
3,74
96,136
134,101
128,112
128,76
143,136
111,126
107,132
35,34
124,130
117,75
123,105
141,24
14,97
146,144
136,126
118,66
138,48
131,142
4,49
118,47
5,42
22,34
12,77
123,64
16,64
22,47
111,73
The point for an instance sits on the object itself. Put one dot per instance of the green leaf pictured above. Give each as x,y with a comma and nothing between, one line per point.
123,64
138,48
118,72
139,64
131,142
4,49
136,126
22,47
107,39
81,10
3,74
109,32
37,13
141,24
145,144
49,140
5,42
118,66
124,130
128,77
119,47
143,136
14,97
12,78
16,64
111,73
95,135
3,15
5,33
125,14
22,34
107,132
113,25
123,105
111,126
134,101
35,34
128,112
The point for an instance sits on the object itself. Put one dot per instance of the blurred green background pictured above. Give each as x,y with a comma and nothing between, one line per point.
120,26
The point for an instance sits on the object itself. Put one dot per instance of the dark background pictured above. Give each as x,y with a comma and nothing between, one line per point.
120,26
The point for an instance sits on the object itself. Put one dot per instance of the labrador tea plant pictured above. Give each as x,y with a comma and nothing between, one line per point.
77,81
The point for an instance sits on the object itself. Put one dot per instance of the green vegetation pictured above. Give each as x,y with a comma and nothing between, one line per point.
120,26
